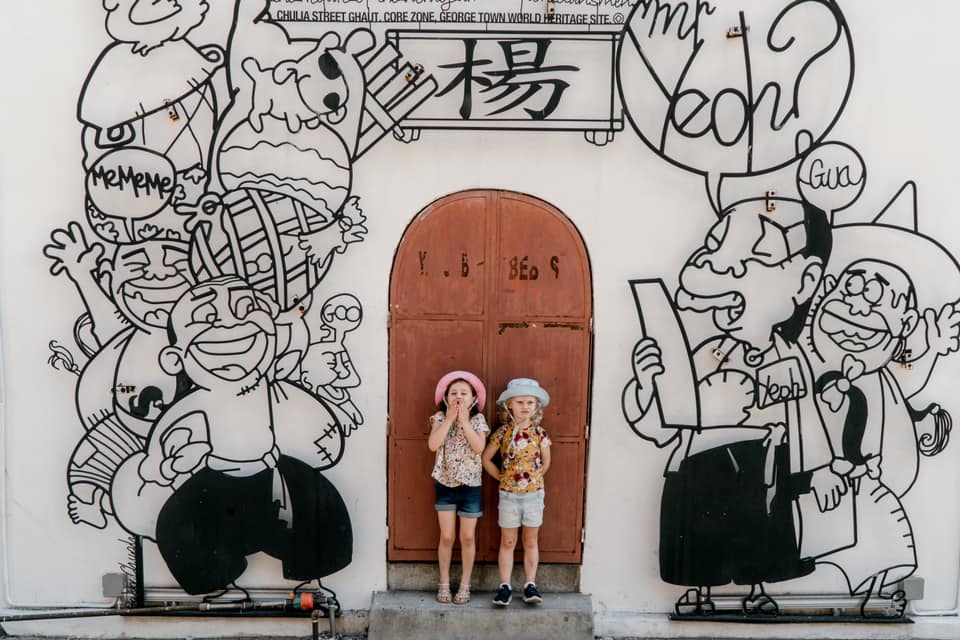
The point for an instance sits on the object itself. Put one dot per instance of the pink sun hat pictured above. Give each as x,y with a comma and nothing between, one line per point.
449,378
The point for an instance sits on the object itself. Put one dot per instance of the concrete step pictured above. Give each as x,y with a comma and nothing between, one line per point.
423,576
415,615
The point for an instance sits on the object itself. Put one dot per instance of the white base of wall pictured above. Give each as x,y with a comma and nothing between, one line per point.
607,625
353,623
659,626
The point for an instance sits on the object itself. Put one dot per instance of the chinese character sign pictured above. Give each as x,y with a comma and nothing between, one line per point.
514,80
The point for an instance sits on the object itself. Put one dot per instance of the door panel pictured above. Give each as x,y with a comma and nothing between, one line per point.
443,271
528,317
450,344
564,490
540,271
556,354
413,515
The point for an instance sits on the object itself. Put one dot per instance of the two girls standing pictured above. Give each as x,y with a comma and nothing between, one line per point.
458,435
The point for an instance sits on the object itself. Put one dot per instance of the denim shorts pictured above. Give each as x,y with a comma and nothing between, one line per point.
467,501
521,508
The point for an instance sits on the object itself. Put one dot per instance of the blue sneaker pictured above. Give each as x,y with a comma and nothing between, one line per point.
504,596
530,594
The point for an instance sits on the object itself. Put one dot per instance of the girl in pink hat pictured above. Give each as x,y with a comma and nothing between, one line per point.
458,433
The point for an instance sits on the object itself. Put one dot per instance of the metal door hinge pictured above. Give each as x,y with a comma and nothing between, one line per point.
386,532
591,324
389,319
583,535
587,432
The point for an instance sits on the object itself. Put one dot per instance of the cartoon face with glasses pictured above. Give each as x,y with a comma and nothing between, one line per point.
868,311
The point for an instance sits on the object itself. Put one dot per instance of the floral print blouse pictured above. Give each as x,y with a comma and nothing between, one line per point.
522,468
456,463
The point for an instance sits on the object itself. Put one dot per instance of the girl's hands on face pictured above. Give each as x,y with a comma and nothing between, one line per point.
460,397
453,410
463,412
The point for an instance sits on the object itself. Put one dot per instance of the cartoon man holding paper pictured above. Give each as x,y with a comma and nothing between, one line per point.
739,408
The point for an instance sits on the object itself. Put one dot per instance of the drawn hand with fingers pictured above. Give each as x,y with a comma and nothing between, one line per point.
647,364
943,328
71,254
828,487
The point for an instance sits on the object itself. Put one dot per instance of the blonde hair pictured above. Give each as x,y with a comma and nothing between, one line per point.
507,418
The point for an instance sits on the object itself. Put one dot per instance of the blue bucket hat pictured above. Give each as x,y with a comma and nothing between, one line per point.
524,387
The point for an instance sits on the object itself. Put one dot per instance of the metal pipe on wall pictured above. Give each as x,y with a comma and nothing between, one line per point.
320,607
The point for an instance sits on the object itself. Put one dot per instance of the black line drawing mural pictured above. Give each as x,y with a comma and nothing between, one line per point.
220,452
148,107
793,435
758,442
788,72
214,381
327,369
212,390
874,339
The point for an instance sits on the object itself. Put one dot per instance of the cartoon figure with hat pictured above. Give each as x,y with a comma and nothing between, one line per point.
524,448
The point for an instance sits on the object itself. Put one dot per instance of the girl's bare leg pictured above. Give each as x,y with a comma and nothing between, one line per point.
508,542
448,534
468,547
531,553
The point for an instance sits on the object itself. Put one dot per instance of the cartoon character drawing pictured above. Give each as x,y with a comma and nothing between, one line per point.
299,92
284,142
759,445
121,390
327,370
214,455
277,85
149,107
859,335
148,24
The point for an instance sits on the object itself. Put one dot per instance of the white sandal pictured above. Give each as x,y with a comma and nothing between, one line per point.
443,593
463,595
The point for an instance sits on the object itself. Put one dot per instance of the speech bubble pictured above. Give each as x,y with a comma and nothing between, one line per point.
832,176
131,183
715,89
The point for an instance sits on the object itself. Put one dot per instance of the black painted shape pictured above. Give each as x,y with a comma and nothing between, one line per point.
212,522
932,444
855,421
715,524
465,77
512,78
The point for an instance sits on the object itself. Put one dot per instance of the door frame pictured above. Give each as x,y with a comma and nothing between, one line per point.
492,228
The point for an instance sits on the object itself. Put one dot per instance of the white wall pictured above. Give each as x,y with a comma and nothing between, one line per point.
639,217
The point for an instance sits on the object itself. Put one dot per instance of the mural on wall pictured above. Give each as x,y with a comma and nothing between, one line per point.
214,381
792,424
214,375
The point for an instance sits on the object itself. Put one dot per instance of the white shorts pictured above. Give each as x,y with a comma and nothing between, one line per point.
517,509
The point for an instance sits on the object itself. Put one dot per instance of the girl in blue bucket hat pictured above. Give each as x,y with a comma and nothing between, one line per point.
458,432
524,448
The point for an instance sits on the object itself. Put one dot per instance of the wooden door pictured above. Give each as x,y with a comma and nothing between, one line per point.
496,283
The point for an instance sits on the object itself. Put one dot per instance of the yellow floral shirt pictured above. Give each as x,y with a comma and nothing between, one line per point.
522,468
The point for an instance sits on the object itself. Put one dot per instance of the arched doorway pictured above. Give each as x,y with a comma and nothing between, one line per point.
497,283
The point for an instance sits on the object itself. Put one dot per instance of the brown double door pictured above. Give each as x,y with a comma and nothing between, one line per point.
496,283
